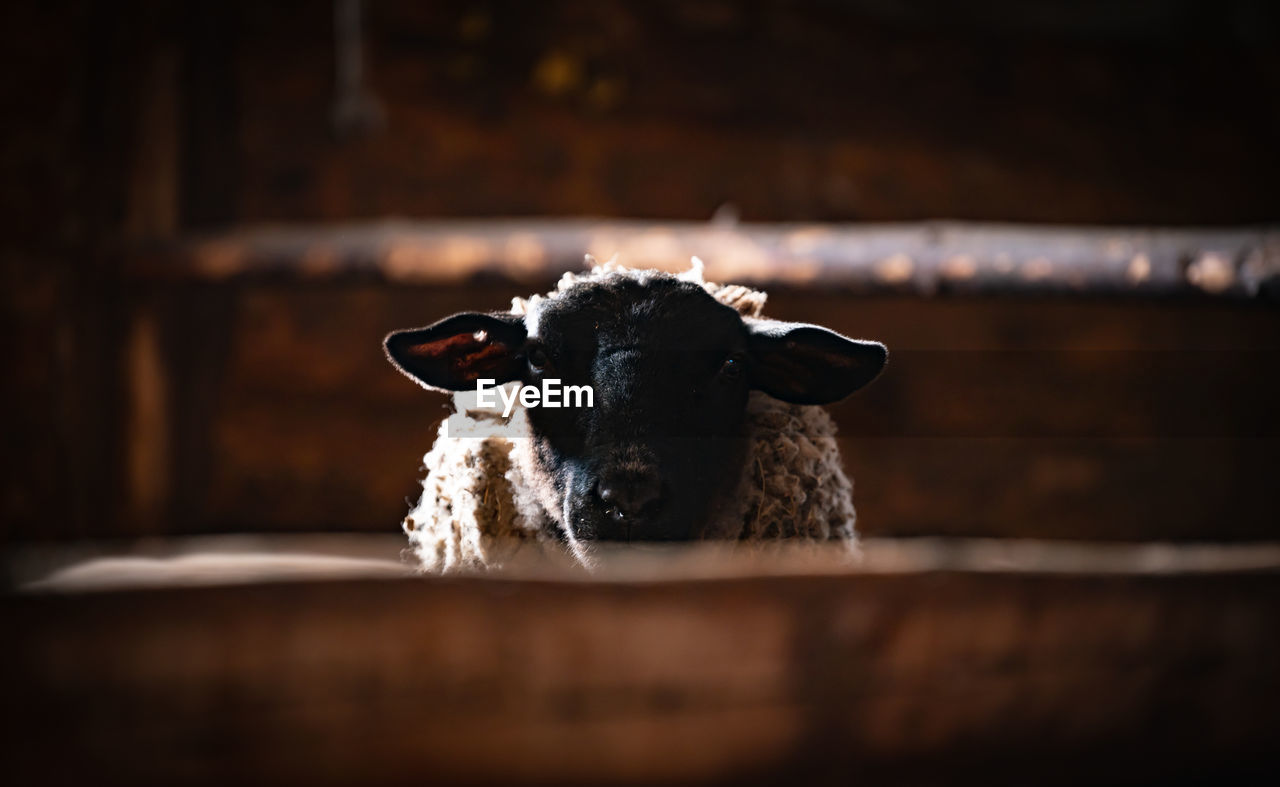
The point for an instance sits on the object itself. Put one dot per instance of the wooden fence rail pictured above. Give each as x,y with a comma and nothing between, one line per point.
990,664
923,258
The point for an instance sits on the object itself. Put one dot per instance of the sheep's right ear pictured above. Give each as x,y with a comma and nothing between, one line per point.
455,352
808,364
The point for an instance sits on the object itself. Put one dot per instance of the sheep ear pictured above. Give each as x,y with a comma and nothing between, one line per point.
455,352
807,364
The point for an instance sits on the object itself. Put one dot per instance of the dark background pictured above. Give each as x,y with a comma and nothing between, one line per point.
154,399
1135,111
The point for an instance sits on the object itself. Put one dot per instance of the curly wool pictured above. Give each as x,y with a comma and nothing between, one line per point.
479,511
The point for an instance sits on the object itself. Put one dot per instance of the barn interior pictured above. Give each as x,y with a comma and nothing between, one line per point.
1061,217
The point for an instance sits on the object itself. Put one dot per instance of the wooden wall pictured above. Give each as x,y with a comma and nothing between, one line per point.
1129,112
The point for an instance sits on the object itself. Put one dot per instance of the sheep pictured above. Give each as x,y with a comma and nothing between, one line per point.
707,423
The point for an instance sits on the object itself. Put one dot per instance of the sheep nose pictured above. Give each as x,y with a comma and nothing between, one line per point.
629,497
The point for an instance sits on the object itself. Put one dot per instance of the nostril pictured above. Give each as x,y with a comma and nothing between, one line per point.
629,497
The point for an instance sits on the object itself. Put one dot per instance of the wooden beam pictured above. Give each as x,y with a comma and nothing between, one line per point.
927,672
90,566
925,258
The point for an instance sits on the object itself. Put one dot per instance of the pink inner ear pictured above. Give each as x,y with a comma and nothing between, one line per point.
469,356
487,359
443,347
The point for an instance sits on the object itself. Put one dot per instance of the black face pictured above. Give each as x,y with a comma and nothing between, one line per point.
670,368
667,363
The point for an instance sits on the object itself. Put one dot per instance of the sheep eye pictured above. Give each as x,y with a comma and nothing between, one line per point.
538,358
732,367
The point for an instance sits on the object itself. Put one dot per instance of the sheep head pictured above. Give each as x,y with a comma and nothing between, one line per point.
670,367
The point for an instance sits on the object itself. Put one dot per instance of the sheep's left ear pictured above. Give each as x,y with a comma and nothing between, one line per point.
455,352
807,364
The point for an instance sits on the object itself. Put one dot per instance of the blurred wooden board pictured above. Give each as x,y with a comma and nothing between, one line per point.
1048,111
933,663
919,257
94,566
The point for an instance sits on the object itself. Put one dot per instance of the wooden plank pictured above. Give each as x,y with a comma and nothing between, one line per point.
1175,489
94,566
921,674
923,258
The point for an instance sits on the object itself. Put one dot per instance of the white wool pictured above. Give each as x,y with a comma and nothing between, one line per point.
479,511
